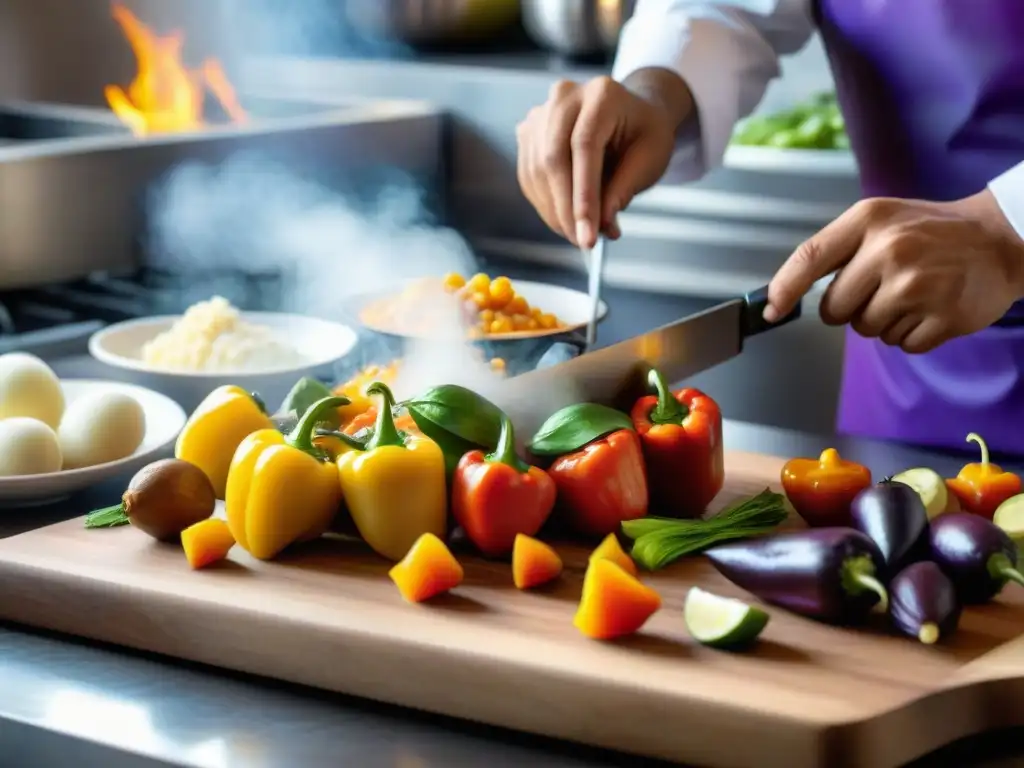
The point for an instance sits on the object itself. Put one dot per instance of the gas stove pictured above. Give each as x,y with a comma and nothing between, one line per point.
57,320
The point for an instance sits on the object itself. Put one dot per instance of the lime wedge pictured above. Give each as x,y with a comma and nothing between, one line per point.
722,622
929,485
1010,517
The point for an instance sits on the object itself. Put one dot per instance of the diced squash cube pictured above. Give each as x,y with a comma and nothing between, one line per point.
428,569
614,603
533,562
611,549
207,542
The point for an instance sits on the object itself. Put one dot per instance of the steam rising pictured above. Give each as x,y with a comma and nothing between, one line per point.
330,250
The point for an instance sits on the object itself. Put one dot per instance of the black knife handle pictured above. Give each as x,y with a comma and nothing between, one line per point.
753,313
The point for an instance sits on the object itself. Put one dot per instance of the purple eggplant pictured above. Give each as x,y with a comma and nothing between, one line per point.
893,516
823,573
923,602
977,555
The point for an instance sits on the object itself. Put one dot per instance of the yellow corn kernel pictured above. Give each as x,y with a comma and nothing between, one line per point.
501,292
501,324
517,306
453,281
480,282
487,316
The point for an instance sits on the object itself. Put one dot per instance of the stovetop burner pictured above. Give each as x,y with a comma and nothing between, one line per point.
38,319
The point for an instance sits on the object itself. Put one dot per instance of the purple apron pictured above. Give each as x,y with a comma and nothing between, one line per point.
933,93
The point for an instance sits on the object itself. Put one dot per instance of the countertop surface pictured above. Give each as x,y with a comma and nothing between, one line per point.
65,701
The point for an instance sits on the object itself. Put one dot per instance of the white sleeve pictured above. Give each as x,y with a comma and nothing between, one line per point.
1008,190
726,51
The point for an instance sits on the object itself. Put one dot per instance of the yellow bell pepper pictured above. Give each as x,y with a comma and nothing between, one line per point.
395,487
216,427
281,488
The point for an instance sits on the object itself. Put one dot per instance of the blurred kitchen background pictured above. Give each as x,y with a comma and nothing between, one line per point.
478,66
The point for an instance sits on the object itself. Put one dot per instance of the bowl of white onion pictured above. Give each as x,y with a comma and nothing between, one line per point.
213,343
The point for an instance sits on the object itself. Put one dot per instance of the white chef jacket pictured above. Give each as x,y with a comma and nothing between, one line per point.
728,51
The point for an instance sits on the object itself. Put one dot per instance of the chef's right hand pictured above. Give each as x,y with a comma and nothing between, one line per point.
590,148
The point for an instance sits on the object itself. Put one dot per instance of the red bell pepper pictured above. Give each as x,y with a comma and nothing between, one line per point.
498,495
602,483
681,436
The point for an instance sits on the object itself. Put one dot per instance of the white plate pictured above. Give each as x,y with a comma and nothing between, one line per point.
164,420
793,162
321,342
570,306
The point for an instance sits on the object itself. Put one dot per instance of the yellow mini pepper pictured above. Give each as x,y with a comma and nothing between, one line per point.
216,427
282,489
395,487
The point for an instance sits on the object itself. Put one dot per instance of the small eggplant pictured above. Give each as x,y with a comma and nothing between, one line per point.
977,555
923,602
823,573
893,516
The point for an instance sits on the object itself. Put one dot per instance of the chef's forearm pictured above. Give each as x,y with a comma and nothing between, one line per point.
724,52
665,89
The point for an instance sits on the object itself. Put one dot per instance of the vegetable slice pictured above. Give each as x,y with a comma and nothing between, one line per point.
533,562
207,542
614,604
611,549
1010,517
722,622
929,485
427,570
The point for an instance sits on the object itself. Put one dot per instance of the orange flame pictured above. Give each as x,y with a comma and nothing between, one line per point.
165,96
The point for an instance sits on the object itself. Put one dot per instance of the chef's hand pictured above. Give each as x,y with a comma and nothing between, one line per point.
565,144
912,273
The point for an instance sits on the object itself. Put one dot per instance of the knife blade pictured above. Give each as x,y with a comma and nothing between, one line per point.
616,375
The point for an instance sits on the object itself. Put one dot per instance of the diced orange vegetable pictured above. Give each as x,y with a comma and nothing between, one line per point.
427,570
368,418
207,542
533,562
611,549
614,603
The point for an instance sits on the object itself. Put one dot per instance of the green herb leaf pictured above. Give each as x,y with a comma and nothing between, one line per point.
108,517
454,411
574,426
304,394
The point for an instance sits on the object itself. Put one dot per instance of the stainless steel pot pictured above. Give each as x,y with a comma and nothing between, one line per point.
576,27
431,21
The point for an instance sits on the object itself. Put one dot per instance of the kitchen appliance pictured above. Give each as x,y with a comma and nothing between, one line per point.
808,695
76,185
576,28
431,21
616,375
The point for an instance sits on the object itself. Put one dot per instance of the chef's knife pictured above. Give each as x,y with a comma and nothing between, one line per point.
616,375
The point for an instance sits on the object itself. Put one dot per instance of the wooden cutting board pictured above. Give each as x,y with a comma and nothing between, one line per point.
327,616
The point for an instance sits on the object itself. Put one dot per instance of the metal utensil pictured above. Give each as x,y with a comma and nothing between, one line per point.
595,277
616,375
576,27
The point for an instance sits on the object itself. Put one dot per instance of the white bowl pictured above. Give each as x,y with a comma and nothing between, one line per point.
164,420
322,343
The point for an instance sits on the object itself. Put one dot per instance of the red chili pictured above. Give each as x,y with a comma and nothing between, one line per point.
681,435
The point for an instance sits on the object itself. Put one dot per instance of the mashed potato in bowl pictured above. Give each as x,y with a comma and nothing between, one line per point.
212,336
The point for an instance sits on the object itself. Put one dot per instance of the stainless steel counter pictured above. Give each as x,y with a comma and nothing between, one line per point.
66,702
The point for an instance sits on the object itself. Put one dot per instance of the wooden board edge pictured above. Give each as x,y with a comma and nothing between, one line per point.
436,681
